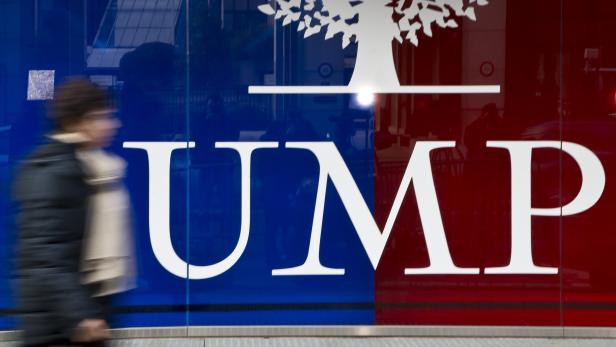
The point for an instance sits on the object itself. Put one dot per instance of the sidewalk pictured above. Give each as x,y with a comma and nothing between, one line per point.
357,342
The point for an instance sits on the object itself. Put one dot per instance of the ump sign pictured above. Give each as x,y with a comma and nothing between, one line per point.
418,172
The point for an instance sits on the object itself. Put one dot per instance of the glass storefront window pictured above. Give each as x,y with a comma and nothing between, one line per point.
339,162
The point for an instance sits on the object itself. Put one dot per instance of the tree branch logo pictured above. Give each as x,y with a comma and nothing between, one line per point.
372,24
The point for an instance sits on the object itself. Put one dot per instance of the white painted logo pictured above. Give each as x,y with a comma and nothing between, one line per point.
418,172
373,24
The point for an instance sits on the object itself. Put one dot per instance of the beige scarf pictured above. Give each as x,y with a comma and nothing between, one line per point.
108,254
107,258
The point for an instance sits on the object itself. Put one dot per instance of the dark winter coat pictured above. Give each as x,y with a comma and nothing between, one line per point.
52,194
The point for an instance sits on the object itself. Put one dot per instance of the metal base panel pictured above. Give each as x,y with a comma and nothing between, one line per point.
350,331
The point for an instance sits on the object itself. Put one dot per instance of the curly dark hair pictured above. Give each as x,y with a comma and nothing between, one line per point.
74,99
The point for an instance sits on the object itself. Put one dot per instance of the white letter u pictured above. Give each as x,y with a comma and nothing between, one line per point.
159,155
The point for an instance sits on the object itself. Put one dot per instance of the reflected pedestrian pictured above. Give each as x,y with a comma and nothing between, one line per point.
73,232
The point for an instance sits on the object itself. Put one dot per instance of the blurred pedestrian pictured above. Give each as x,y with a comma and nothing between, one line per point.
73,231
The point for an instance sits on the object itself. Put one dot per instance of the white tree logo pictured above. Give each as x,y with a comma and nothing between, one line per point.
373,24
